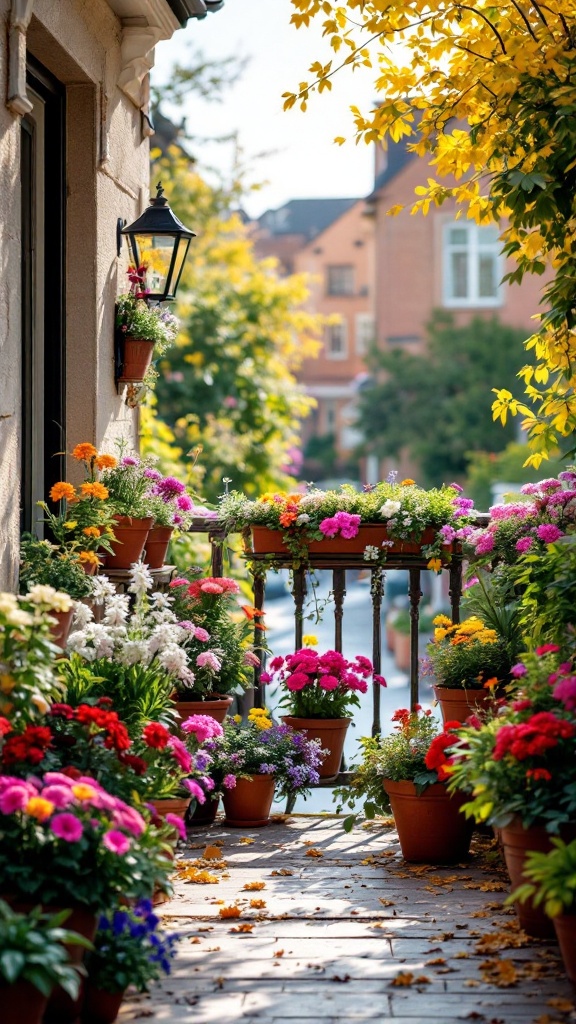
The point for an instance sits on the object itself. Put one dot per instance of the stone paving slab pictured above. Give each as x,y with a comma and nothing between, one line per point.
301,922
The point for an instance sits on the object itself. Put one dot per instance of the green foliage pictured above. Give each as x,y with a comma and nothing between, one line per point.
547,583
126,483
46,563
136,319
452,379
29,679
492,598
468,654
32,949
551,879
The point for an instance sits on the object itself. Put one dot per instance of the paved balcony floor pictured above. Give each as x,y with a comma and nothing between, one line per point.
300,922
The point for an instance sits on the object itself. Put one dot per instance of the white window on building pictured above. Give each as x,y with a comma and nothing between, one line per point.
336,340
472,265
365,330
340,279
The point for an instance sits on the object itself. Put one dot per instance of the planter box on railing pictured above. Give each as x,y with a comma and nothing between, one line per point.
266,541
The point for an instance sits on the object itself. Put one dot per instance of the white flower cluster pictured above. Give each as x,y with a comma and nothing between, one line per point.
130,636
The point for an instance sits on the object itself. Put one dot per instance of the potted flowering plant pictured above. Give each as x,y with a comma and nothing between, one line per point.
142,330
83,525
33,959
128,484
44,563
321,689
28,674
407,771
171,507
386,515
251,761
130,948
134,655
518,768
550,881
468,661
220,655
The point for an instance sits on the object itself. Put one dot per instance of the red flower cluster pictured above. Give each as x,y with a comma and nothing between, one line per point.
156,735
436,758
29,746
532,738
98,719
215,585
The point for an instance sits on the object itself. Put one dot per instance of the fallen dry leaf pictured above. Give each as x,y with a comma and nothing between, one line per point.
403,979
461,956
194,939
212,853
254,886
278,953
244,927
342,978
386,903
232,911
282,871
257,904
196,875
246,840
437,962
471,983
502,973
314,853
564,1005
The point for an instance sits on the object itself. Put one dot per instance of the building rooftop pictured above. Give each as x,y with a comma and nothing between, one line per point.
306,217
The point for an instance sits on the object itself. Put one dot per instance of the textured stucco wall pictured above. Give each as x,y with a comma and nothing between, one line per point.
107,178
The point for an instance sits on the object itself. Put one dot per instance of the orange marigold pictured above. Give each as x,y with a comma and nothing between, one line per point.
287,518
94,490
91,531
90,557
84,452
62,490
105,461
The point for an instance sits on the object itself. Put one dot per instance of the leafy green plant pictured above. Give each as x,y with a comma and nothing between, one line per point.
551,879
32,949
47,564
127,483
136,319
547,583
29,677
492,597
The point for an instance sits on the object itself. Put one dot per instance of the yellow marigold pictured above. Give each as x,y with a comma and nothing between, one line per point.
441,620
90,531
71,524
256,712
435,564
82,791
407,482
94,490
309,640
471,625
90,557
62,491
105,461
267,498
440,633
262,723
39,808
237,719
84,452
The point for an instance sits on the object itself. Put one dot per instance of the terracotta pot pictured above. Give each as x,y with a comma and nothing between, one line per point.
21,1003
157,545
267,541
248,804
565,928
430,827
331,732
61,627
402,650
61,1009
100,1007
516,842
90,568
216,709
204,814
137,359
457,704
130,541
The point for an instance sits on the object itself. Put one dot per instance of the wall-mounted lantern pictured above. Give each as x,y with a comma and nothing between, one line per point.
159,240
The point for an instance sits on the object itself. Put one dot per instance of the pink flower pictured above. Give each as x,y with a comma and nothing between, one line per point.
524,544
379,679
209,660
184,503
485,544
229,781
329,527
518,670
58,778
565,691
66,826
251,659
547,649
297,681
129,819
196,790
177,822
179,582
59,795
181,755
549,533
15,797
470,583
201,634
116,842
327,682
203,726
211,588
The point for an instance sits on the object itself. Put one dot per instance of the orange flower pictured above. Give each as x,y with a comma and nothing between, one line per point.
82,791
91,531
94,490
105,461
229,912
90,557
251,612
287,518
39,808
84,452
491,684
407,482
62,490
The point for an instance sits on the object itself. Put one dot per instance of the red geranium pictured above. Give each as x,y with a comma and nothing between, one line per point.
436,759
156,735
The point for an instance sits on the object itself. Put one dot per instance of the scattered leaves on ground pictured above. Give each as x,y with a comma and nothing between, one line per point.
212,853
502,973
278,953
232,911
257,904
564,1005
241,928
282,871
246,841
386,903
199,876
254,886
313,852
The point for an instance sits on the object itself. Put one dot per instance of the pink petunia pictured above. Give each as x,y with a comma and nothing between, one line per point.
177,822
66,826
195,790
180,754
116,842
203,726
60,796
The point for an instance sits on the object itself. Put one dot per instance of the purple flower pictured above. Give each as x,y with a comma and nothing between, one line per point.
184,502
152,474
456,487
391,478
267,769
549,485
229,781
518,670
462,505
470,583
548,533
129,460
448,533
569,475
530,489
66,826
116,842
170,487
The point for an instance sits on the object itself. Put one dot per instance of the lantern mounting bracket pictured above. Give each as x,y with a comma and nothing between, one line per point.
120,223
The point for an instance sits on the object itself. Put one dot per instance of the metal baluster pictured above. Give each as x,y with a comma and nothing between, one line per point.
377,592
415,595
455,589
339,591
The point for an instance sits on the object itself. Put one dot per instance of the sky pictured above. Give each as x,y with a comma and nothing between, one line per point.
291,153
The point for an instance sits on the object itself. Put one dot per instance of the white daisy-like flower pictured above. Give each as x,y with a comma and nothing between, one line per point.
19,617
8,602
370,553
103,641
390,508
132,652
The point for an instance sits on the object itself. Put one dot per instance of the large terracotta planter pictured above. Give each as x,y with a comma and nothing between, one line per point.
248,804
128,547
458,704
216,709
137,356
204,814
100,1007
516,842
157,545
431,828
267,541
21,1003
402,644
61,628
331,732
565,928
